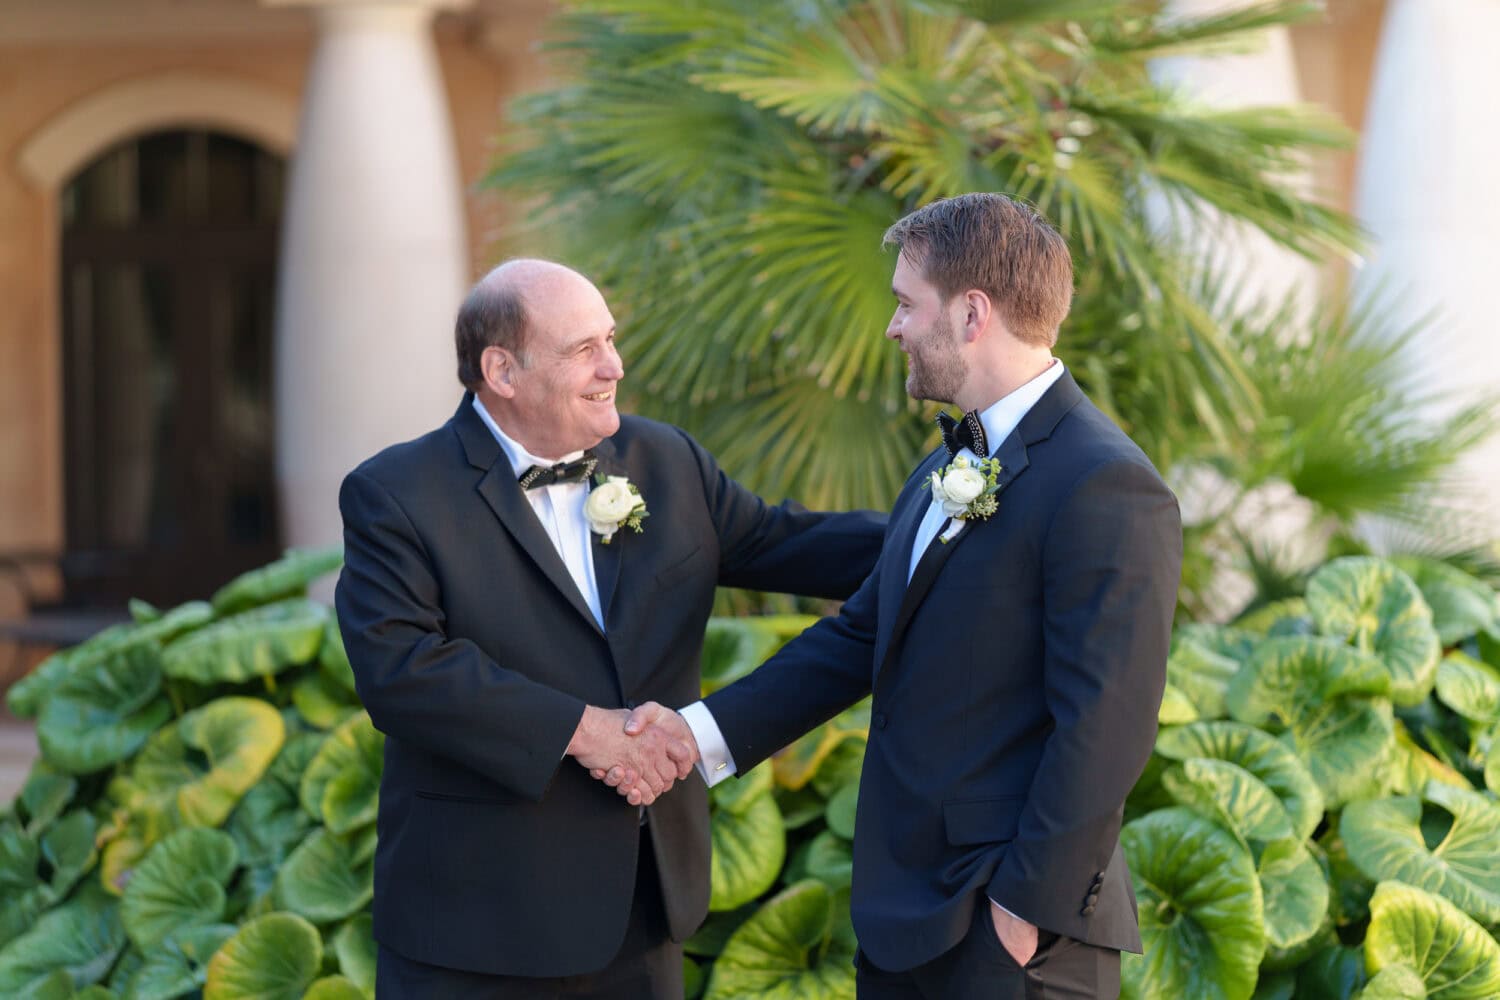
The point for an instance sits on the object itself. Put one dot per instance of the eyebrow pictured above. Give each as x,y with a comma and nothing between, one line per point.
574,345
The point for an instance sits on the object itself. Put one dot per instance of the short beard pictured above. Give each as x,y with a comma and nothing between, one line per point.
941,372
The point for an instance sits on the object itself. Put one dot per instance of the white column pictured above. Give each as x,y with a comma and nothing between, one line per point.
1426,191
1263,73
374,259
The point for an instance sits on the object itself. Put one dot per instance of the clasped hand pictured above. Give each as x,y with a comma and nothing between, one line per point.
638,753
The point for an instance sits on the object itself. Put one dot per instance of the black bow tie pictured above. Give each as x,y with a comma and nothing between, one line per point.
575,471
966,433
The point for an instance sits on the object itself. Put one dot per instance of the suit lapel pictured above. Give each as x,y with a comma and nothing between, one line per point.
899,599
497,486
607,557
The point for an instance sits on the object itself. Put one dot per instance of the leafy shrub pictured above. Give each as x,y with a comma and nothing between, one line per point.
1319,818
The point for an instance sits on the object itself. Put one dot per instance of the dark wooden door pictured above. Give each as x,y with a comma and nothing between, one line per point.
168,279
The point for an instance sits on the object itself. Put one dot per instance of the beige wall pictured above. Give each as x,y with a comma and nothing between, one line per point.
481,69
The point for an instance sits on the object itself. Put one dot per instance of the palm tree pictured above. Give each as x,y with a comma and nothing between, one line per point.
726,170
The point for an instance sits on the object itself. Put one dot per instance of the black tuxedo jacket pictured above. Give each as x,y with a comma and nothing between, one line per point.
475,654
1016,683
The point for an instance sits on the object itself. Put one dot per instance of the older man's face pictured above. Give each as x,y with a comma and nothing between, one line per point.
566,398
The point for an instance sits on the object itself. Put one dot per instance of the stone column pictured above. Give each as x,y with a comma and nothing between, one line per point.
1263,74
374,258
1426,191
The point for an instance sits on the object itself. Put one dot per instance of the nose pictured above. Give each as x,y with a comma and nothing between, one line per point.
610,365
892,329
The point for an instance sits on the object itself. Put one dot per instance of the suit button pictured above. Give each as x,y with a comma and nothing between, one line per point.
630,704
879,720
1086,911
1091,899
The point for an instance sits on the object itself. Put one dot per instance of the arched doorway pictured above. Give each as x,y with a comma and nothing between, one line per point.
167,278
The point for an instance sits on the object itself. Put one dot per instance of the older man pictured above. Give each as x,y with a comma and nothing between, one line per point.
515,581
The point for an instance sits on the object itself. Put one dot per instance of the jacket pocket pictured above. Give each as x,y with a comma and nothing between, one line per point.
446,797
982,821
679,569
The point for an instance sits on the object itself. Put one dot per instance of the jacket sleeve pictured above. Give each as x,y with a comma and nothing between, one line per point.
1111,559
440,694
786,548
814,677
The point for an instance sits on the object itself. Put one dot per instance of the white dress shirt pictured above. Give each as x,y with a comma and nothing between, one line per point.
560,509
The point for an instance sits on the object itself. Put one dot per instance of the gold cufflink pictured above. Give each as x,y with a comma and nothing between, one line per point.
721,765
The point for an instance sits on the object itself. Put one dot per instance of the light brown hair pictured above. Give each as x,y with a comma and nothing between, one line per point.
1000,246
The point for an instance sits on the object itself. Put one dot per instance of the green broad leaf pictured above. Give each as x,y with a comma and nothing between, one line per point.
261,642
68,847
1259,753
128,964
1336,973
840,741
1395,982
1455,957
142,612
1275,986
1176,708
1230,796
354,944
1470,687
693,979
341,786
45,795
267,824
716,931
333,660
1203,676
1223,640
1492,762
325,879
205,762
749,839
274,957
1314,689
322,702
1201,909
284,578
1278,619
179,884
841,811
732,647
28,695
81,938
1411,768
178,966
104,712
334,988
1348,746
1385,839
1296,897
1462,605
800,807
842,767
830,859
23,895
1286,677
1375,607
794,946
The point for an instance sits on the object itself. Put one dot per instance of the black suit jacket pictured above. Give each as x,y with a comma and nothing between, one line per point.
475,654
1016,683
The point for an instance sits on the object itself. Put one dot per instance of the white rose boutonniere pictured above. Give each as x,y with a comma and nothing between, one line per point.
965,489
612,504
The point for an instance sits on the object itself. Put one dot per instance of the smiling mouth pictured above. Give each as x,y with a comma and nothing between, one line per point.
600,397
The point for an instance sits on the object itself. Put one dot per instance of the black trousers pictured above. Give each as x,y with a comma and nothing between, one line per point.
647,967
979,968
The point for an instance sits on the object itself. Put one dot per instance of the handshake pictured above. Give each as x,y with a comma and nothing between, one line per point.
638,753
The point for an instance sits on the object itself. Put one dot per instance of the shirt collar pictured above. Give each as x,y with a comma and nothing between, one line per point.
520,458
1002,416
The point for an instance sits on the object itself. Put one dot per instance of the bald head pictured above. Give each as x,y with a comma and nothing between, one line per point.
506,304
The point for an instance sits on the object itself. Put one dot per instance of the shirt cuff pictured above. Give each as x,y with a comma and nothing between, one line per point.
715,762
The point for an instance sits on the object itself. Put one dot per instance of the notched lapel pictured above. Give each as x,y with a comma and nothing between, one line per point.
607,557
